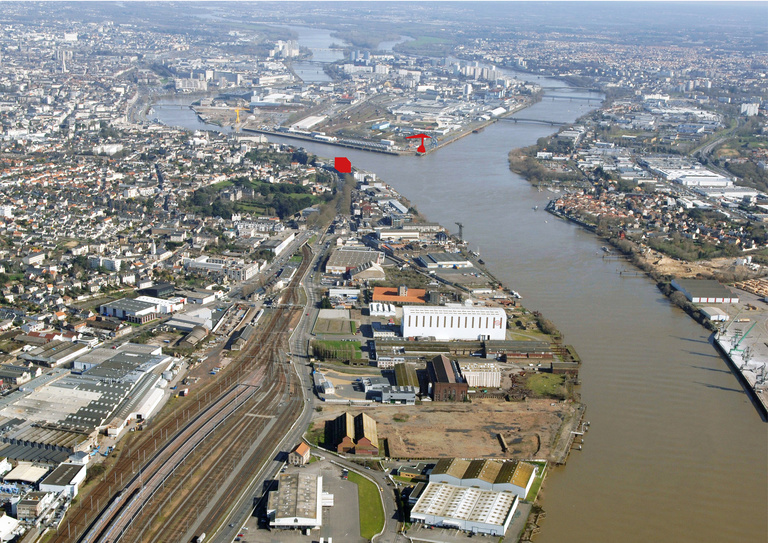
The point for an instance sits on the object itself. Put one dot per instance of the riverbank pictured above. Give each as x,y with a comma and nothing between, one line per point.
363,145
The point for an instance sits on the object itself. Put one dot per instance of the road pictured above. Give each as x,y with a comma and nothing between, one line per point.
243,506
299,343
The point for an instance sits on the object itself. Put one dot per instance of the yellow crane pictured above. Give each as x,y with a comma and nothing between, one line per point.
237,115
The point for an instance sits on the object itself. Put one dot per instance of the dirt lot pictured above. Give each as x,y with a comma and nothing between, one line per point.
332,326
468,430
679,268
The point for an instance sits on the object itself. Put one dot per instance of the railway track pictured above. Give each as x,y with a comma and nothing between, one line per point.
157,463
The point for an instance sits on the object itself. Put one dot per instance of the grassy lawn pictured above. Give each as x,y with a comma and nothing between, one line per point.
339,349
537,482
546,384
371,511
316,434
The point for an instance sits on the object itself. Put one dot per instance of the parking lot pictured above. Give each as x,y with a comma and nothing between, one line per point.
341,522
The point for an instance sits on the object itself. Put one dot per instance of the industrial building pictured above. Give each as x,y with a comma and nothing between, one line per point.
405,375
55,353
130,310
501,476
66,478
370,271
454,323
705,291
715,314
405,395
346,259
241,338
381,310
164,307
33,505
400,295
61,413
353,435
158,291
445,381
480,375
300,455
380,330
469,509
434,261
278,244
517,349
297,501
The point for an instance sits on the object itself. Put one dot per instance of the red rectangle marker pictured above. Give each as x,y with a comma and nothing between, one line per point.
342,164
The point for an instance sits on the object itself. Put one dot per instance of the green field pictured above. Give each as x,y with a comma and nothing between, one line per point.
341,350
534,491
371,510
546,384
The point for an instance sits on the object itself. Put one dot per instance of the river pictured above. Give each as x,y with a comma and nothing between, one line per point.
676,451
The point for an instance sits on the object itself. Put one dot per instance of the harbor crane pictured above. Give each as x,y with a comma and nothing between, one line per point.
461,230
735,348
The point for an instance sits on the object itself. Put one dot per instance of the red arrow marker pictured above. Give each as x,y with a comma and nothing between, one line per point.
421,148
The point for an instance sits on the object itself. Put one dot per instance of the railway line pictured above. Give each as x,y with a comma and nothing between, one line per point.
204,450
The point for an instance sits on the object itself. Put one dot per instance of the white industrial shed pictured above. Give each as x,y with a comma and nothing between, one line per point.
297,502
470,509
454,323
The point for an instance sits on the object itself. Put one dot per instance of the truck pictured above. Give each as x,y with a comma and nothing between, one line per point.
200,538
183,392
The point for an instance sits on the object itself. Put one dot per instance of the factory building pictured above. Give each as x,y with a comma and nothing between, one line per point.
66,478
130,310
454,323
347,259
705,291
297,502
469,509
354,435
164,307
55,353
500,476
478,375
33,505
434,261
278,244
404,395
445,381
400,295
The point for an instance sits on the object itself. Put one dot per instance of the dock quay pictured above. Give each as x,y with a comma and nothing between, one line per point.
359,147
572,427
750,372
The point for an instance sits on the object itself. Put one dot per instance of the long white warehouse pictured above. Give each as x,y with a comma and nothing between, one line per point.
452,323
471,509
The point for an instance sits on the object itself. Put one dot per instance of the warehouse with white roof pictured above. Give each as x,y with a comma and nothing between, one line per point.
470,509
454,323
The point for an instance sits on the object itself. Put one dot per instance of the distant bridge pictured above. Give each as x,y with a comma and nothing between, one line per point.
571,88
565,97
532,121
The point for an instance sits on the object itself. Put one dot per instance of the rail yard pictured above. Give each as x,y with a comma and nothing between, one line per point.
191,462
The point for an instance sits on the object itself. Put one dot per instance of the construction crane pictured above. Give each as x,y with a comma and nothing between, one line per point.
237,115
461,231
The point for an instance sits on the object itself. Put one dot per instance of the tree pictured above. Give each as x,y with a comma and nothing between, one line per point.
325,303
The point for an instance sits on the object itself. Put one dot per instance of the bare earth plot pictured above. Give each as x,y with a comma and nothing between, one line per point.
467,430
332,326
